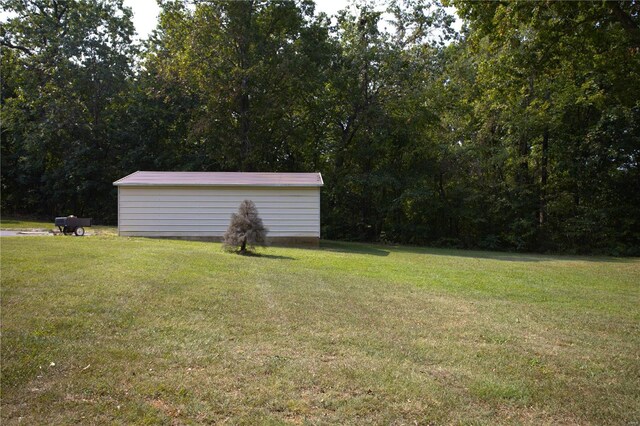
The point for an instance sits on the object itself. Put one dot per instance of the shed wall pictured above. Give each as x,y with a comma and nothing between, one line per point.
206,211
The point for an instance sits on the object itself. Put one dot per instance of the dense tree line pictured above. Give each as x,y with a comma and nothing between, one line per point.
519,132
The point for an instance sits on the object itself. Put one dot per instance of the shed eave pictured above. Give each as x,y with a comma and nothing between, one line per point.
214,185
221,179
116,183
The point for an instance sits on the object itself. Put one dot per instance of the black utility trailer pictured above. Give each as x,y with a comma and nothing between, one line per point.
73,225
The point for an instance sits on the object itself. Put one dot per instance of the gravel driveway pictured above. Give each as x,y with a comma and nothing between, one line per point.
7,233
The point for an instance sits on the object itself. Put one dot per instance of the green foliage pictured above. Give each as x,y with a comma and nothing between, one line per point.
551,79
521,132
67,67
255,71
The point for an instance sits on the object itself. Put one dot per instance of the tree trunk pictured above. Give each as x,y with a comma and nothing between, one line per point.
245,125
243,248
522,175
244,60
544,176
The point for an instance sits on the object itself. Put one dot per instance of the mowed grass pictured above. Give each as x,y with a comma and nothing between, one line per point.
128,330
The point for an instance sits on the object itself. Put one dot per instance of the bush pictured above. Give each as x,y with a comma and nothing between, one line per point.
246,229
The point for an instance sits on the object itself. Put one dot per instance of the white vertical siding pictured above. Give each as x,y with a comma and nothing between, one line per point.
206,211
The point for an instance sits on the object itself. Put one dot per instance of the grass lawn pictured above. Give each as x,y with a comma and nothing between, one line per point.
104,329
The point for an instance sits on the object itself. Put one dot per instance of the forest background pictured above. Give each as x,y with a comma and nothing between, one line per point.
520,131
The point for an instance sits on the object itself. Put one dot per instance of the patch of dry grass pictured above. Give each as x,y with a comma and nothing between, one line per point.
174,332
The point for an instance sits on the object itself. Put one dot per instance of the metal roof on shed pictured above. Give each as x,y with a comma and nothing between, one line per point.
142,178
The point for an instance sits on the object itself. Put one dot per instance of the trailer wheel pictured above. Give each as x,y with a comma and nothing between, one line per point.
79,231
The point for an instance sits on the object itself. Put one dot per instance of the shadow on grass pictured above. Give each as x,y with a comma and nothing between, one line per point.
264,255
356,248
510,256
385,250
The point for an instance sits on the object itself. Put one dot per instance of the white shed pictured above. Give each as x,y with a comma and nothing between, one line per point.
198,205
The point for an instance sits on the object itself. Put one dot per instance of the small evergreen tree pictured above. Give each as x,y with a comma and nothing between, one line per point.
246,229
